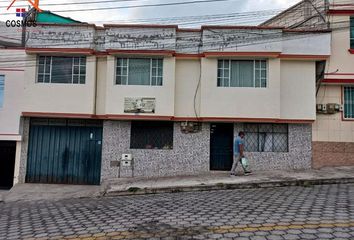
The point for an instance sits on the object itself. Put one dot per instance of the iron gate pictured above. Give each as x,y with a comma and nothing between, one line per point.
64,151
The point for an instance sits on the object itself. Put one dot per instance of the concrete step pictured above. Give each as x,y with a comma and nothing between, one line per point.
222,181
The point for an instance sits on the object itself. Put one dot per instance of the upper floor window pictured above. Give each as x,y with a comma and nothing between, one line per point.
242,73
61,70
352,32
2,89
348,102
139,71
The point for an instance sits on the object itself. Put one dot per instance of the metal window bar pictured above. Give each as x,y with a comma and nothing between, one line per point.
255,137
2,90
151,135
127,67
351,32
72,69
229,75
224,80
348,102
51,66
150,71
254,73
272,136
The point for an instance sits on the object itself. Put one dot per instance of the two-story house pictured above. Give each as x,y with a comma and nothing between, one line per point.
11,93
169,99
333,130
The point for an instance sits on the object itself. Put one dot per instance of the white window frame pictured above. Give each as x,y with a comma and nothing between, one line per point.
127,67
351,35
45,74
3,95
254,72
351,100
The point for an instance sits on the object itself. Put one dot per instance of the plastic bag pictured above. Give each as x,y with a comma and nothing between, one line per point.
244,162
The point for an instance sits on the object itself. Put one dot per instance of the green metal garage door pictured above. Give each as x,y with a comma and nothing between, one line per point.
64,151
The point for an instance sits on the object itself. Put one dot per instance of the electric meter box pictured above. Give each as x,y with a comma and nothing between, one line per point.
126,157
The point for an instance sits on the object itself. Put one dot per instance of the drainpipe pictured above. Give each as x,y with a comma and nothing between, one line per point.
96,86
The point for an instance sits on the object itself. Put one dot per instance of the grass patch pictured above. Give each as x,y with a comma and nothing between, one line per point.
306,184
133,189
176,190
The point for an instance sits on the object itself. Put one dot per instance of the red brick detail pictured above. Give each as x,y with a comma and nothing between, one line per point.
332,154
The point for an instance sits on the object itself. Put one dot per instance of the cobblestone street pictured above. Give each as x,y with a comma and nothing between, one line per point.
316,212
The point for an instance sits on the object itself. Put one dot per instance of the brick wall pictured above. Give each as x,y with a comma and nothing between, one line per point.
332,154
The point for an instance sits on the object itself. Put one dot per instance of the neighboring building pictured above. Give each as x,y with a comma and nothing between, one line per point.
173,98
333,130
12,68
11,93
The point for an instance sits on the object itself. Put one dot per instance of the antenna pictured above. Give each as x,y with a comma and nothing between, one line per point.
35,4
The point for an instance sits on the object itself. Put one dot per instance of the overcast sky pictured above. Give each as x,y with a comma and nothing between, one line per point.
117,15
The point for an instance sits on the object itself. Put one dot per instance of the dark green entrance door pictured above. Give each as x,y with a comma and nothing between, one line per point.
64,152
221,143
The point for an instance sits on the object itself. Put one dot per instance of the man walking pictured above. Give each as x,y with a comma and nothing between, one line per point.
239,154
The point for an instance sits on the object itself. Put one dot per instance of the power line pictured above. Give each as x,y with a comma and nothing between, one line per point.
188,20
183,37
77,3
139,6
269,40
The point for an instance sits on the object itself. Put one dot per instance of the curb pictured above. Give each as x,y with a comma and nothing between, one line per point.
229,186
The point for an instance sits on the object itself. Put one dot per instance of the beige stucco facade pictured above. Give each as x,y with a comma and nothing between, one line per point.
180,95
240,102
189,88
332,134
13,94
13,99
187,96
164,95
333,127
189,91
297,89
59,98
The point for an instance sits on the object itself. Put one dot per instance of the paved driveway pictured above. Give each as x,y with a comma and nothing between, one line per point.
318,212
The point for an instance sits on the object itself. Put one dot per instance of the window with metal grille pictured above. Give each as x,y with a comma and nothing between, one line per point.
2,90
139,71
151,135
71,70
242,73
348,102
352,32
266,138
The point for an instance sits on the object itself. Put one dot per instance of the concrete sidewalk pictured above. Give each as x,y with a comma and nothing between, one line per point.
210,181
217,180
36,192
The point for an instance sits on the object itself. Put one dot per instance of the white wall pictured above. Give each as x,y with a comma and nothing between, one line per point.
134,38
331,127
101,85
341,60
298,90
239,102
242,40
164,95
61,36
59,98
187,78
13,93
307,44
